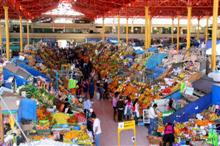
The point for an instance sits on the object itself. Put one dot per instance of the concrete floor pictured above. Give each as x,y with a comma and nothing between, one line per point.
104,112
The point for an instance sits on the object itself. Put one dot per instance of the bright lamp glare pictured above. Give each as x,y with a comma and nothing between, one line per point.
64,9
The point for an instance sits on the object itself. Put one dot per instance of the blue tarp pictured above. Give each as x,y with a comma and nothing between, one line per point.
29,69
38,59
33,71
112,40
153,49
209,43
18,79
190,110
216,95
175,95
157,71
155,60
93,40
17,60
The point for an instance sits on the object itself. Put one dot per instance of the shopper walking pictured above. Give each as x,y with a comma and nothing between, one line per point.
114,104
128,109
91,89
168,136
96,129
105,86
153,119
135,110
120,109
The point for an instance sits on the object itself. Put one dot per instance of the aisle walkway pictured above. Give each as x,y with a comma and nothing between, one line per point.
109,137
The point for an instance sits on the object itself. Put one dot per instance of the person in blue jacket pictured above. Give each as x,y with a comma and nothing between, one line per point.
27,111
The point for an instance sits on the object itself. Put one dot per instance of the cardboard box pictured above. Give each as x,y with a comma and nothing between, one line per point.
155,141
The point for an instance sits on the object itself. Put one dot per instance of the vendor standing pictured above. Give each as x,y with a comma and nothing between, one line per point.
153,119
120,108
87,105
27,111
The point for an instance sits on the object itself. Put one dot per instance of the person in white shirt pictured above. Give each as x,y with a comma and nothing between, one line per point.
96,129
153,119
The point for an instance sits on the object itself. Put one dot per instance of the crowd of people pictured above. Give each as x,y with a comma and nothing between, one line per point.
91,86
124,108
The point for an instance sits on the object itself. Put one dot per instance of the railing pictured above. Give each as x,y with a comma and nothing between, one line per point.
91,35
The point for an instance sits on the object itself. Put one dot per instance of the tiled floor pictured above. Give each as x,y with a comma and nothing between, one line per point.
109,136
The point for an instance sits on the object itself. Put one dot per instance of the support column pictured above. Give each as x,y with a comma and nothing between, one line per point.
113,26
21,35
178,34
214,32
28,35
198,31
1,33
1,126
172,27
206,29
103,28
127,31
149,31
189,11
146,27
119,29
7,33
132,26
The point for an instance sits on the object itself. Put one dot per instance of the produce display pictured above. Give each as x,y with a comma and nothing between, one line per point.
195,129
81,137
148,76
41,95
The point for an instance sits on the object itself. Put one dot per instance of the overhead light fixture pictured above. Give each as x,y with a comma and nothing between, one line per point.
64,9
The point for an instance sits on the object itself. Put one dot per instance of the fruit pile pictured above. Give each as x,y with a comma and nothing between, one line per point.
81,137
43,114
72,120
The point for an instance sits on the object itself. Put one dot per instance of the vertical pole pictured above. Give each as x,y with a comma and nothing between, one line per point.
214,32
189,11
1,126
198,31
178,34
119,137
132,26
113,26
103,28
146,27
7,33
172,27
127,31
21,35
149,30
206,29
28,37
118,29
1,35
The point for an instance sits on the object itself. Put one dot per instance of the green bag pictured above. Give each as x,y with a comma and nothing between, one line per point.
182,87
72,84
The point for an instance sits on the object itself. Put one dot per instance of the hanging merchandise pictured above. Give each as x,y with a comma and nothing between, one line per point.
72,84
213,137
182,87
